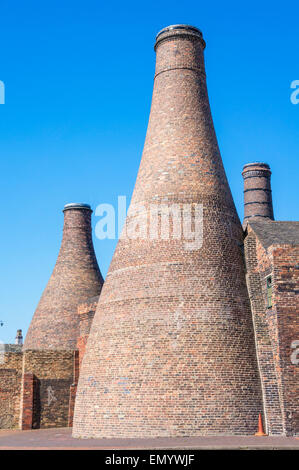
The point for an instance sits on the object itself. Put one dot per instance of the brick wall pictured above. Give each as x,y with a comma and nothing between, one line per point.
73,387
276,329
35,388
86,312
286,290
258,268
38,387
10,389
27,401
54,374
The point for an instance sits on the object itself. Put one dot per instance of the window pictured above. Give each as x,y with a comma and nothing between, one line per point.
269,292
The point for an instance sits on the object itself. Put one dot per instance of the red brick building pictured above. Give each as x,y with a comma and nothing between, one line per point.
272,272
272,262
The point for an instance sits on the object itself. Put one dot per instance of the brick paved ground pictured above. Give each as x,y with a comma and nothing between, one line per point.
60,438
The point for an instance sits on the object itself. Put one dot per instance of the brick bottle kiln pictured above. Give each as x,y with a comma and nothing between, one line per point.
171,350
76,276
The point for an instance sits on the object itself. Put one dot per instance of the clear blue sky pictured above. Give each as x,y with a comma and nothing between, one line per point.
79,79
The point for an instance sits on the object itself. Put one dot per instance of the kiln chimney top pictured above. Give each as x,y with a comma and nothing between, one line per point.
185,27
77,205
257,192
179,30
259,164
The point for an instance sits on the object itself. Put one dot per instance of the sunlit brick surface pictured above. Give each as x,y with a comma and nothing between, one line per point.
272,249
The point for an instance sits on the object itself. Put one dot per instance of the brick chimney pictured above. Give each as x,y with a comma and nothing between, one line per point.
76,277
19,337
257,192
171,348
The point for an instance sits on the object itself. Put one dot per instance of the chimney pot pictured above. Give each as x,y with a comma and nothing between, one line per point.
257,192
19,337
77,205
179,30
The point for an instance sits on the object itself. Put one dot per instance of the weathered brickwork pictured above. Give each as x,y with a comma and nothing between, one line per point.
10,389
54,374
276,327
27,401
86,312
171,349
38,386
35,388
76,277
73,388
286,301
258,268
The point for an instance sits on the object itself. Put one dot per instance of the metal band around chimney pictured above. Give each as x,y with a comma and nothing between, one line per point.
75,205
179,31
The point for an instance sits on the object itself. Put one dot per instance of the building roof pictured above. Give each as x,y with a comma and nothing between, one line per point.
272,232
15,348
